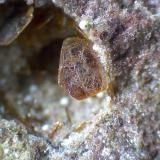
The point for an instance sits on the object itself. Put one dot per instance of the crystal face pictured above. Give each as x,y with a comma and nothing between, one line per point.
80,72
14,25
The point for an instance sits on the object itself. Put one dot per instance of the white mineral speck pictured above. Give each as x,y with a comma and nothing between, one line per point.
100,95
83,24
101,53
64,101
96,48
45,127
106,152
54,1
6,150
29,2
158,133
15,139
16,155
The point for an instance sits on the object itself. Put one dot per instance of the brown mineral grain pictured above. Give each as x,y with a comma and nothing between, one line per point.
80,72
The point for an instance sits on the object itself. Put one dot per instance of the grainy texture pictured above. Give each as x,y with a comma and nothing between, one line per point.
126,37
80,71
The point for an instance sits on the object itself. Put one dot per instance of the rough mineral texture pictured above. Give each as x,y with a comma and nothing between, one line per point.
80,72
48,124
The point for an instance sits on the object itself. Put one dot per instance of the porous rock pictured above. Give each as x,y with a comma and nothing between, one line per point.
126,35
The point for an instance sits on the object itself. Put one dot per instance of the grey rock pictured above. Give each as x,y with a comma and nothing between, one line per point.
126,35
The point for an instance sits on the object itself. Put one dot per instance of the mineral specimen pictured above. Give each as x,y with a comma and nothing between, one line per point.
126,37
80,71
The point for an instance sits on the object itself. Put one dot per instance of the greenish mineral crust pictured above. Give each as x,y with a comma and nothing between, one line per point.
50,125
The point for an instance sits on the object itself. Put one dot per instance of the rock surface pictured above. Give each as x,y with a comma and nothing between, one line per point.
126,37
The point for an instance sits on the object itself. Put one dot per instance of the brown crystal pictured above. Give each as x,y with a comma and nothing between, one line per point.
14,25
79,70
